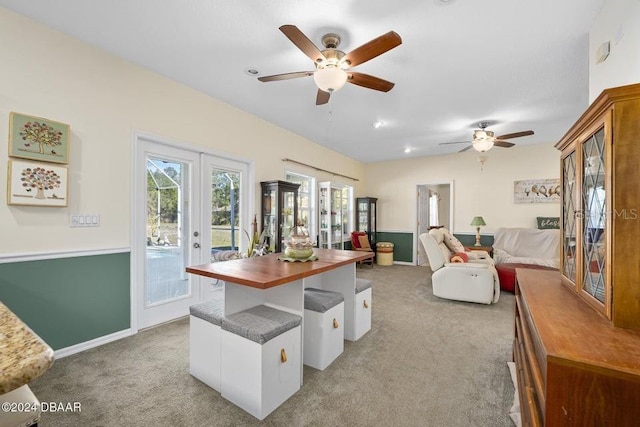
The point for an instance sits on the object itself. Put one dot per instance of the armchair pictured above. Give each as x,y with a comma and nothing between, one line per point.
471,281
360,242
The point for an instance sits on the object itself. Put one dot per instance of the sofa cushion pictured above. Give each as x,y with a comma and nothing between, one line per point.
460,257
527,246
364,242
451,241
548,222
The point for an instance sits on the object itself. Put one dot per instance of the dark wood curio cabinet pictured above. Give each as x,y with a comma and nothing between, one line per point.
279,211
366,213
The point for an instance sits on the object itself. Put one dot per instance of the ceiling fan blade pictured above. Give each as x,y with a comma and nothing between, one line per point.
373,48
285,76
457,142
515,135
465,149
504,144
371,82
302,42
322,97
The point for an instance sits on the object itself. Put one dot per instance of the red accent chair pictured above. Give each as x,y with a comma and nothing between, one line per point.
360,242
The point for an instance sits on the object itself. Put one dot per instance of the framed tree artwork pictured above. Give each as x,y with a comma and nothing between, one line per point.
37,184
36,138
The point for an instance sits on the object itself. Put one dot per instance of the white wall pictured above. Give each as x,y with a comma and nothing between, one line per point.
47,74
487,193
619,23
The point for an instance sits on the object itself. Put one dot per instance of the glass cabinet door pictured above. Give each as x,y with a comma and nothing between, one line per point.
279,211
288,214
363,215
325,225
569,216
366,217
336,218
269,209
594,222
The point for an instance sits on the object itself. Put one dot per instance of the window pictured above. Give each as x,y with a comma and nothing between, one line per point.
433,208
306,200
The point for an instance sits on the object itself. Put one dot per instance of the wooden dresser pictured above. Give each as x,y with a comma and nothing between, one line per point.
574,368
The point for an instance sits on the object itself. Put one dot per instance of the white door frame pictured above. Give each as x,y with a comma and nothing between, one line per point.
416,239
138,220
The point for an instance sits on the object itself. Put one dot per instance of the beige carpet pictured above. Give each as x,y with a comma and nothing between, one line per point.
426,362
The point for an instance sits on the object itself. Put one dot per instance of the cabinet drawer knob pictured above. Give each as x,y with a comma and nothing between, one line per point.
366,304
283,355
335,324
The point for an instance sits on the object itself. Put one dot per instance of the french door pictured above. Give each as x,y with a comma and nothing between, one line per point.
188,206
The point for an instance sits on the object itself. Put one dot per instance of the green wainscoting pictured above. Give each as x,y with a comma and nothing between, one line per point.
402,244
470,239
67,301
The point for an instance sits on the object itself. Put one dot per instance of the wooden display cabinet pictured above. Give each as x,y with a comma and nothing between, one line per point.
279,211
600,164
366,217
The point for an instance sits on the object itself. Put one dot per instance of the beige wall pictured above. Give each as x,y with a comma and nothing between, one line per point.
619,23
104,99
487,193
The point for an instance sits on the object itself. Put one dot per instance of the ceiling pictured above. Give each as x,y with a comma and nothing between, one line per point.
518,64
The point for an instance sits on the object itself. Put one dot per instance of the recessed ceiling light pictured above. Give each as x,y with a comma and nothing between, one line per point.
378,124
407,150
252,71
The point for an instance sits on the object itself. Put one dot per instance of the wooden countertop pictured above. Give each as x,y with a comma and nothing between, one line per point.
266,271
23,354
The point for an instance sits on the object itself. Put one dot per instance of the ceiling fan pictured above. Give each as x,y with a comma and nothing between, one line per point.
484,139
333,65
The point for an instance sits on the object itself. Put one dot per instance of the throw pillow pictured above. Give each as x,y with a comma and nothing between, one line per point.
364,242
546,223
451,241
460,257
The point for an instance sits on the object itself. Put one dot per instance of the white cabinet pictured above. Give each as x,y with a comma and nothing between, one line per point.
335,204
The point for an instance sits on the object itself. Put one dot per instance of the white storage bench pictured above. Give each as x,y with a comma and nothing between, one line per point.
360,314
204,342
261,358
323,327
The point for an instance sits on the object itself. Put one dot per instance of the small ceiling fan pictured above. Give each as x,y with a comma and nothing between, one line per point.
484,139
333,65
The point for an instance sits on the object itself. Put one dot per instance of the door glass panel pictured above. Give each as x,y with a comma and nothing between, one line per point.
594,208
225,210
569,217
165,277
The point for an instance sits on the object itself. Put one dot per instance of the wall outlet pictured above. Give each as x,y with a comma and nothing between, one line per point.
84,220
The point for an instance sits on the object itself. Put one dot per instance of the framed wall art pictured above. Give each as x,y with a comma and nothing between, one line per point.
537,191
37,184
36,138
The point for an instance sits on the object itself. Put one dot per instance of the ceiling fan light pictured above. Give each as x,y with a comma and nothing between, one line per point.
483,144
330,79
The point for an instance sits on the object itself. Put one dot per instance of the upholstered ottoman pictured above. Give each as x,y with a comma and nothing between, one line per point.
261,358
507,273
323,327
204,342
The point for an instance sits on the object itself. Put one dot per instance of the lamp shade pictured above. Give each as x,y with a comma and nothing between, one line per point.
330,79
482,145
477,221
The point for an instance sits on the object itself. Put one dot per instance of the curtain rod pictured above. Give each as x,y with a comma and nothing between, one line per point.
318,169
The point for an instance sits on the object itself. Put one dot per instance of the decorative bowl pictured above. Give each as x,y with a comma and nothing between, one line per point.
298,245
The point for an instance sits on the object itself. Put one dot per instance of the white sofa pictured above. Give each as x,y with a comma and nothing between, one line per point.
473,281
527,246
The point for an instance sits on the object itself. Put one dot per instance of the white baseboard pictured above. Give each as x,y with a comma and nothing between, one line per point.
68,351
403,263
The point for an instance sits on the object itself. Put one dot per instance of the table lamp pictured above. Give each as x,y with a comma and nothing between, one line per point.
478,222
